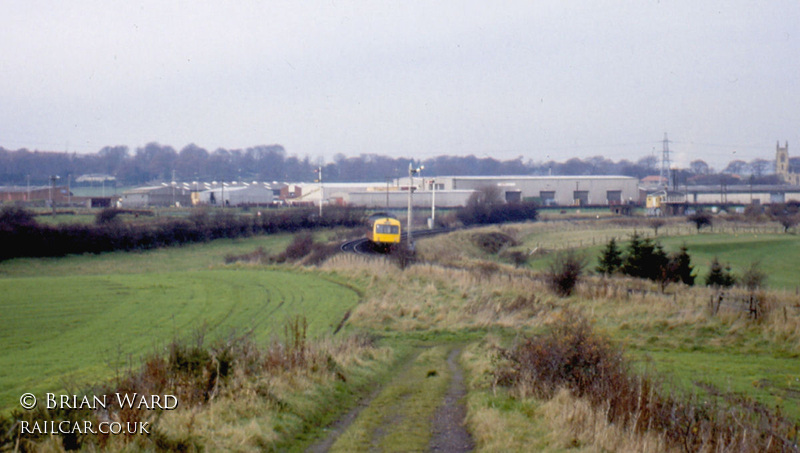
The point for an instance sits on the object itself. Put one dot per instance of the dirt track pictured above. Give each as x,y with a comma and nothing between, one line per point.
382,421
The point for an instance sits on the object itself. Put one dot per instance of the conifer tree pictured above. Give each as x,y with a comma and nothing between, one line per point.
610,258
682,267
719,275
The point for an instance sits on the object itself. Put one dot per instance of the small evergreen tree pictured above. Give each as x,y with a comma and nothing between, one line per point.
681,267
644,259
632,261
610,258
720,276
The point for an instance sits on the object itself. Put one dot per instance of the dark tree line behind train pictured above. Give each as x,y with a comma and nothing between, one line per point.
156,163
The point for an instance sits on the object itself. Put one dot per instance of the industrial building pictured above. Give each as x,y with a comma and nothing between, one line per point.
58,194
454,191
740,194
244,195
163,195
547,190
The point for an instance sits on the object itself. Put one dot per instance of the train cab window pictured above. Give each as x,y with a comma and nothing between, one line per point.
386,229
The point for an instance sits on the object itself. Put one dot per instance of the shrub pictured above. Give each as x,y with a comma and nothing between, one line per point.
14,216
492,242
106,216
517,257
486,206
656,223
753,277
720,276
572,356
402,254
564,272
700,220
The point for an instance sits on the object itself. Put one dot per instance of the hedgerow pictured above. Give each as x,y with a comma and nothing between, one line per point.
24,237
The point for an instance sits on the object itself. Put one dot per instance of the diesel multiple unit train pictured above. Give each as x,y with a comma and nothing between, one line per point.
384,231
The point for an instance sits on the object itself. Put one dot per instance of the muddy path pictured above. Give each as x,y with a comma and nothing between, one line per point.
449,431
420,408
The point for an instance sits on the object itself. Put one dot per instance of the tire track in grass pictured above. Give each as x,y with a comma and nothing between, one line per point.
449,432
418,410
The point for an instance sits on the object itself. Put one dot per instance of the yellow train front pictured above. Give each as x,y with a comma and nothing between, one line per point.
384,232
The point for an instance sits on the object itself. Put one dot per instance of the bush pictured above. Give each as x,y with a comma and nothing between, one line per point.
300,247
106,216
720,276
492,242
753,278
14,216
486,206
572,356
700,220
517,257
564,272
402,254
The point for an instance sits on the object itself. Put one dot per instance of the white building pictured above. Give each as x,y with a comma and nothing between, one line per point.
547,190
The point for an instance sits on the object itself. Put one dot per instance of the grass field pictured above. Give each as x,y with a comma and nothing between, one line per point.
778,254
73,321
68,322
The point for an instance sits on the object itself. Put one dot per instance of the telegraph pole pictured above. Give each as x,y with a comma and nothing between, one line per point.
321,189
53,180
408,224
665,162
411,172
433,203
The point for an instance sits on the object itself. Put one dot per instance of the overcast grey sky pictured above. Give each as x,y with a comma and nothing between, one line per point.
542,79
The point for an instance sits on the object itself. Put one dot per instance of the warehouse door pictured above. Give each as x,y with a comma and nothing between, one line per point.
513,196
581,197
614,196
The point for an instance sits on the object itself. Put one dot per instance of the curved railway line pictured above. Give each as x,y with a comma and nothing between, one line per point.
361,246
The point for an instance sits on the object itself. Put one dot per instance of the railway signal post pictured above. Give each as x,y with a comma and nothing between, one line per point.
411,172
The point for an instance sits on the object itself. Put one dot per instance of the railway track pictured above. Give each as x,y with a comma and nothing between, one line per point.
362,246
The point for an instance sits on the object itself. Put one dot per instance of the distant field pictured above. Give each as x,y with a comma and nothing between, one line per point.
778,254
77,320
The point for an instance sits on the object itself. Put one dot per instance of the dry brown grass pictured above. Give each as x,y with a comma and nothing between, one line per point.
489,294
562,423
266,397
428,296
575,425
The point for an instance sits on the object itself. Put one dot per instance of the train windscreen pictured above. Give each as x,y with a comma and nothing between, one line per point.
386,229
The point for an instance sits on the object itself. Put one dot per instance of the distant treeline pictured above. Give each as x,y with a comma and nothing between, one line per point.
155,162
22,236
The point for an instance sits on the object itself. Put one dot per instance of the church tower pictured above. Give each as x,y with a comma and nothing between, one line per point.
782,161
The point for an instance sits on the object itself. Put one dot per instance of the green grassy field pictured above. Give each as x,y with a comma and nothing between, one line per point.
778,254
77,320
